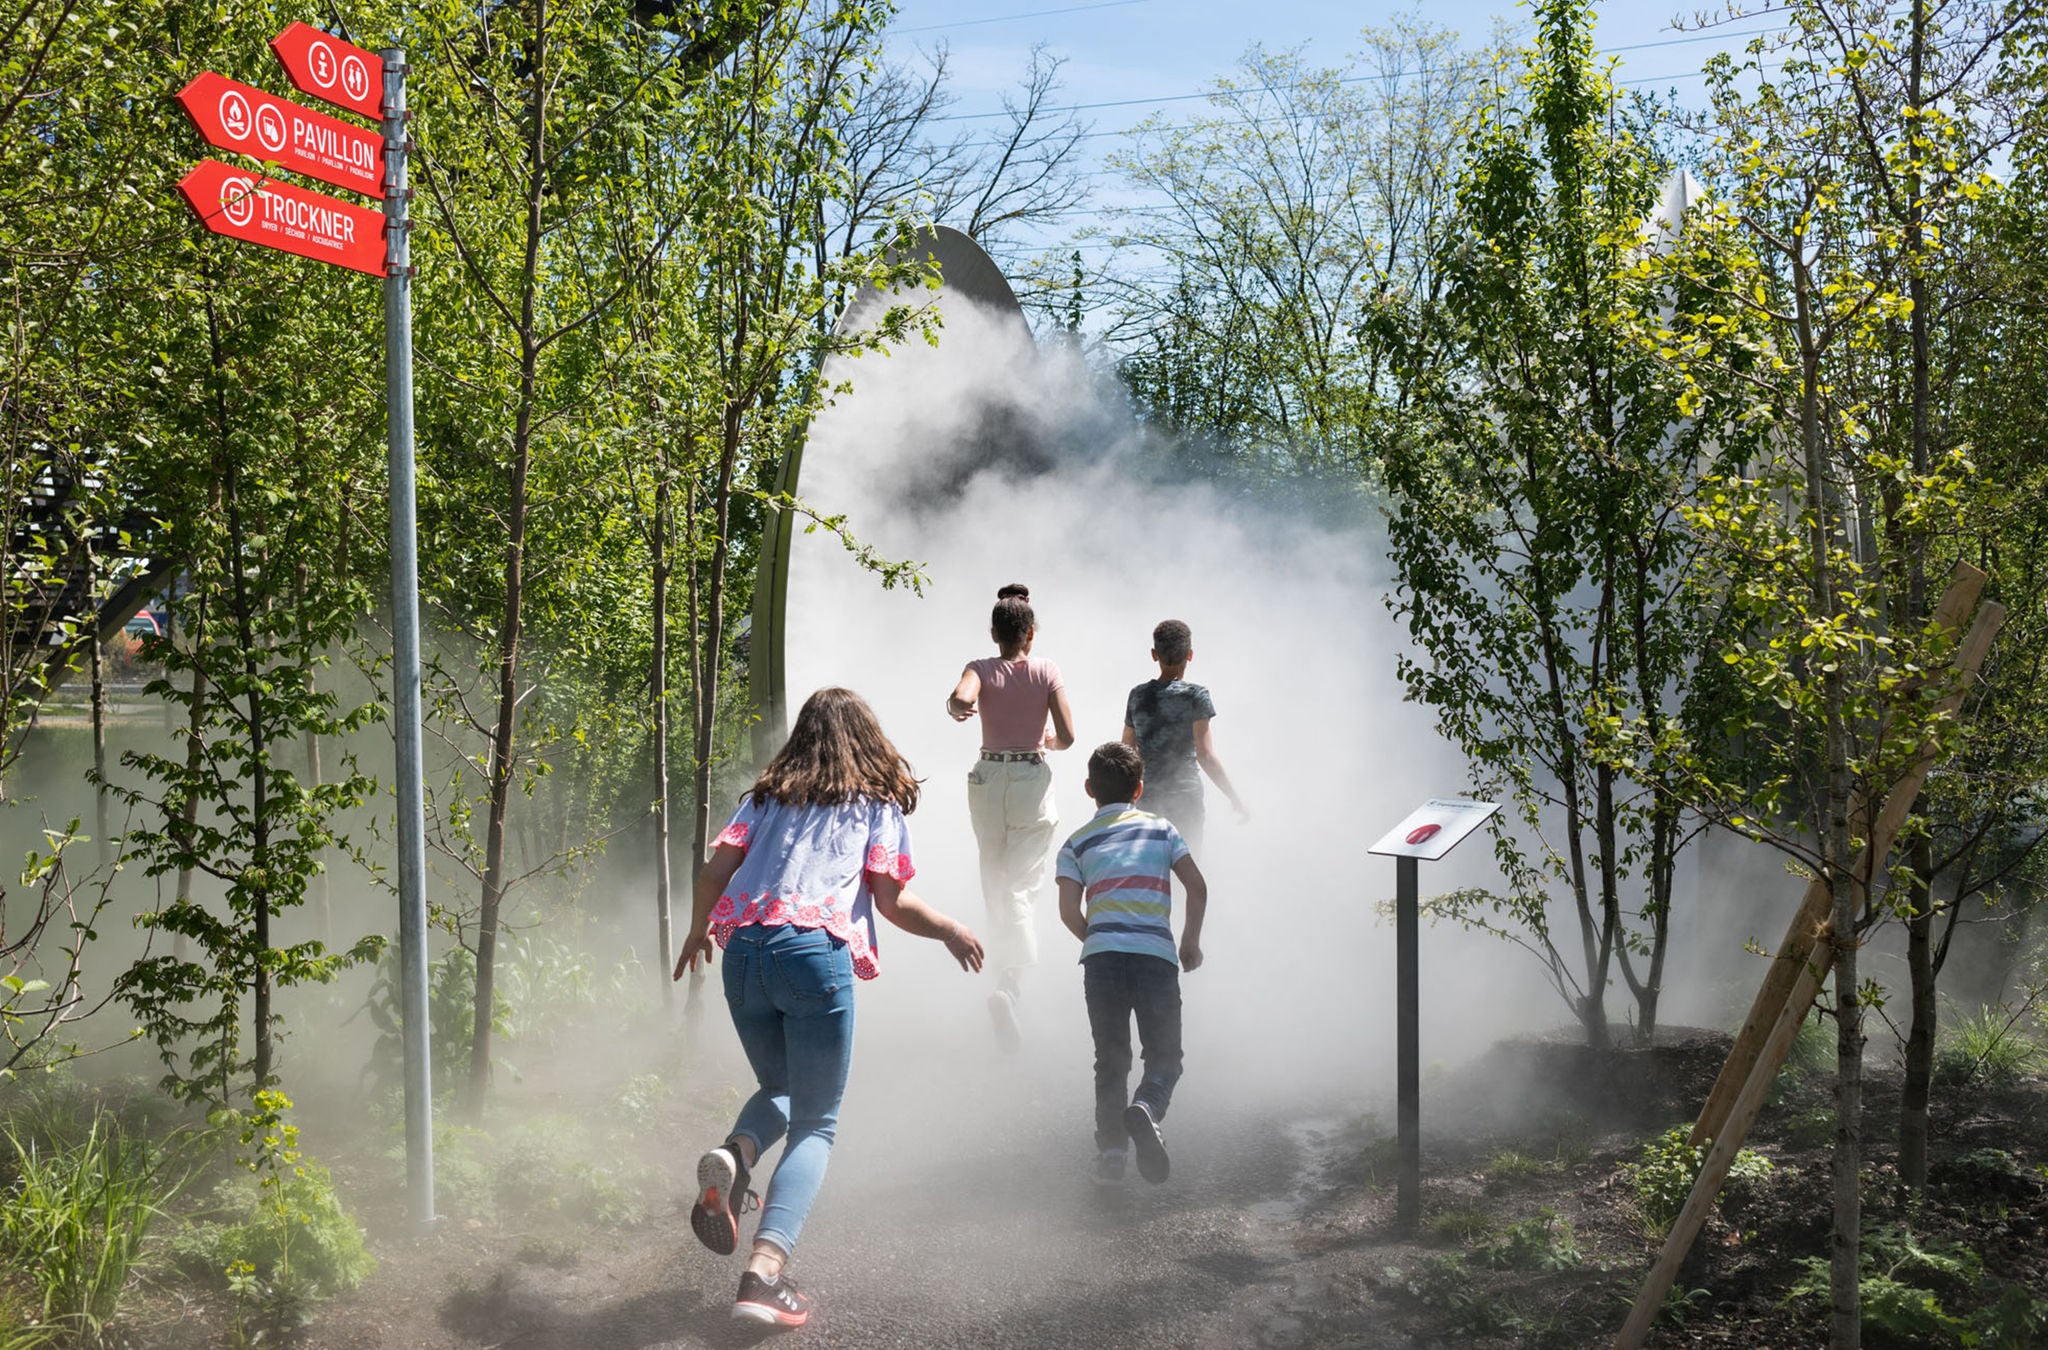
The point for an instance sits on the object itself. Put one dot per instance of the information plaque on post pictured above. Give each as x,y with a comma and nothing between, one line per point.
1430,831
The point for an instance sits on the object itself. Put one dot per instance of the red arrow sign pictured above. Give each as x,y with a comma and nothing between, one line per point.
330,69
236,116
247,206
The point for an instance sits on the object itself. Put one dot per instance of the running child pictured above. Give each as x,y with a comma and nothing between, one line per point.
1115,897
1009,791
1167,719
818,846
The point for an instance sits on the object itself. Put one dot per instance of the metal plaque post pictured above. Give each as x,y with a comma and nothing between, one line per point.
1430,831
1408,1042
405,651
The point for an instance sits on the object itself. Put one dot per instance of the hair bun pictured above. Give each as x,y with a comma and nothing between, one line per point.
1015,590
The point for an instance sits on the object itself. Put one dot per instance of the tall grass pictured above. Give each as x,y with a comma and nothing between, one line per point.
1990,1048
74,1219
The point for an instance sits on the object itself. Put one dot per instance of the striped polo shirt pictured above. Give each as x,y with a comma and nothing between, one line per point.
1124,858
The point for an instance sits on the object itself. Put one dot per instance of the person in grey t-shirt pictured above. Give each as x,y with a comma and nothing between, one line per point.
1168,720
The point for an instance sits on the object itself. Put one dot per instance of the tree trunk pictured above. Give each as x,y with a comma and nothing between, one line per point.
195,750
658,680
102,828
1914,1095
259,784
503,733
1845,1285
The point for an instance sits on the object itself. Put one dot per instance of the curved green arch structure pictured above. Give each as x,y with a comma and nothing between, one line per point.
964,271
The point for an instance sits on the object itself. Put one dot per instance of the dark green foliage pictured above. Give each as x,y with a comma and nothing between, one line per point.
1664,1176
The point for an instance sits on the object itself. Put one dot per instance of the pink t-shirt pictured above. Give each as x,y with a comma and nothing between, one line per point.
1016,700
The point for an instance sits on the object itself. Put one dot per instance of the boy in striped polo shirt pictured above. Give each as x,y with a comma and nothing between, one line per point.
1117,866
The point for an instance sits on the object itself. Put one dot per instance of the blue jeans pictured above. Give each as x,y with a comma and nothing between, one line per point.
1119,987
791,995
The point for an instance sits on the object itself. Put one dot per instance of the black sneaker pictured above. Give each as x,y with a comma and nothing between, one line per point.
721,1197
776,1302
1109,1167
1153,1163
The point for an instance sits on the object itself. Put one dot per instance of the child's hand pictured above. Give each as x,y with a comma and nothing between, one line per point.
1190,954
965,947
694,946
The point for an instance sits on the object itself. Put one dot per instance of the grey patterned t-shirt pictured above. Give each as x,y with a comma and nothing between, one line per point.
1164,713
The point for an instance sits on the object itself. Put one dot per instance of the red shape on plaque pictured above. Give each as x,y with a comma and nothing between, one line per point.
240,117
1424,833
331,70
245,205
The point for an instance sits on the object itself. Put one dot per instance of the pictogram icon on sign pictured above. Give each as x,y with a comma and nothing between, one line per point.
270,132
234,115
238,200
355,78
320,63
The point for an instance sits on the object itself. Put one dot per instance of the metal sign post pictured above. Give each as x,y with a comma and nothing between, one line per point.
405,649
1430,831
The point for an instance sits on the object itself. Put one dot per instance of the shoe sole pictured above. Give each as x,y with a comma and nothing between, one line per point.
766,1316
1002,1010
712,1218
1153,1164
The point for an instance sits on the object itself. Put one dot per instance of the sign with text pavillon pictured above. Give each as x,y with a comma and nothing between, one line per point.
1430,831
254,206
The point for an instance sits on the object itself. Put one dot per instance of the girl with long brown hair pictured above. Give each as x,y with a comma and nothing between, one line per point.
818,847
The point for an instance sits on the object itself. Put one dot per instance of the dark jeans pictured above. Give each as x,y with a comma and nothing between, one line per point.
1119,985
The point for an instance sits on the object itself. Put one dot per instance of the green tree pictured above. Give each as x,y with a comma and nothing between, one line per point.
1306,203
1536,489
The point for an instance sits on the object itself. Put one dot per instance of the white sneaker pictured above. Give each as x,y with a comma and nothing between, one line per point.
1002,1010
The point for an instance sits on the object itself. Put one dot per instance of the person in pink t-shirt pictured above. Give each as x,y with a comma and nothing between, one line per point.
1009,792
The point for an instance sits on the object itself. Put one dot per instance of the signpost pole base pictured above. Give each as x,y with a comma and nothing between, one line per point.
1408,985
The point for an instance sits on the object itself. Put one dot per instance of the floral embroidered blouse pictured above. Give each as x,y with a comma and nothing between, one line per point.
809,866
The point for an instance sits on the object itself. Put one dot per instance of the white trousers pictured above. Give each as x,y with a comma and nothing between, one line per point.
1010,803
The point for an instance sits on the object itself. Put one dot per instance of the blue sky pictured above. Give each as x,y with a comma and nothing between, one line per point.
1151,49
1146,57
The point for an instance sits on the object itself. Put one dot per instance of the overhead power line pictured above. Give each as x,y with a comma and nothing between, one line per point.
1028,14
1349,79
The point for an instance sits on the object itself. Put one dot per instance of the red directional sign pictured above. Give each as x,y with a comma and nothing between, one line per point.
247,206
236,116
328,68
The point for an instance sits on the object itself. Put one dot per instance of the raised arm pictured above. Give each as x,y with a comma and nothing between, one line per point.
917,918
711,882
960,703
1197,909
1205,755
1062,734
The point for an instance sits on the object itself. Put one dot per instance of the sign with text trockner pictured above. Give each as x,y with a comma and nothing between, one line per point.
331,70
240,117
245,205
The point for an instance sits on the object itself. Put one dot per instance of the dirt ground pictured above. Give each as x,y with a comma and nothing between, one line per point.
1277,1232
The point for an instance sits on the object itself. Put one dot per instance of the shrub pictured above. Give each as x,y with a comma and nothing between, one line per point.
1544,1242
1462,1223
1664,1178
74,1221
1989,1048
1812,1128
